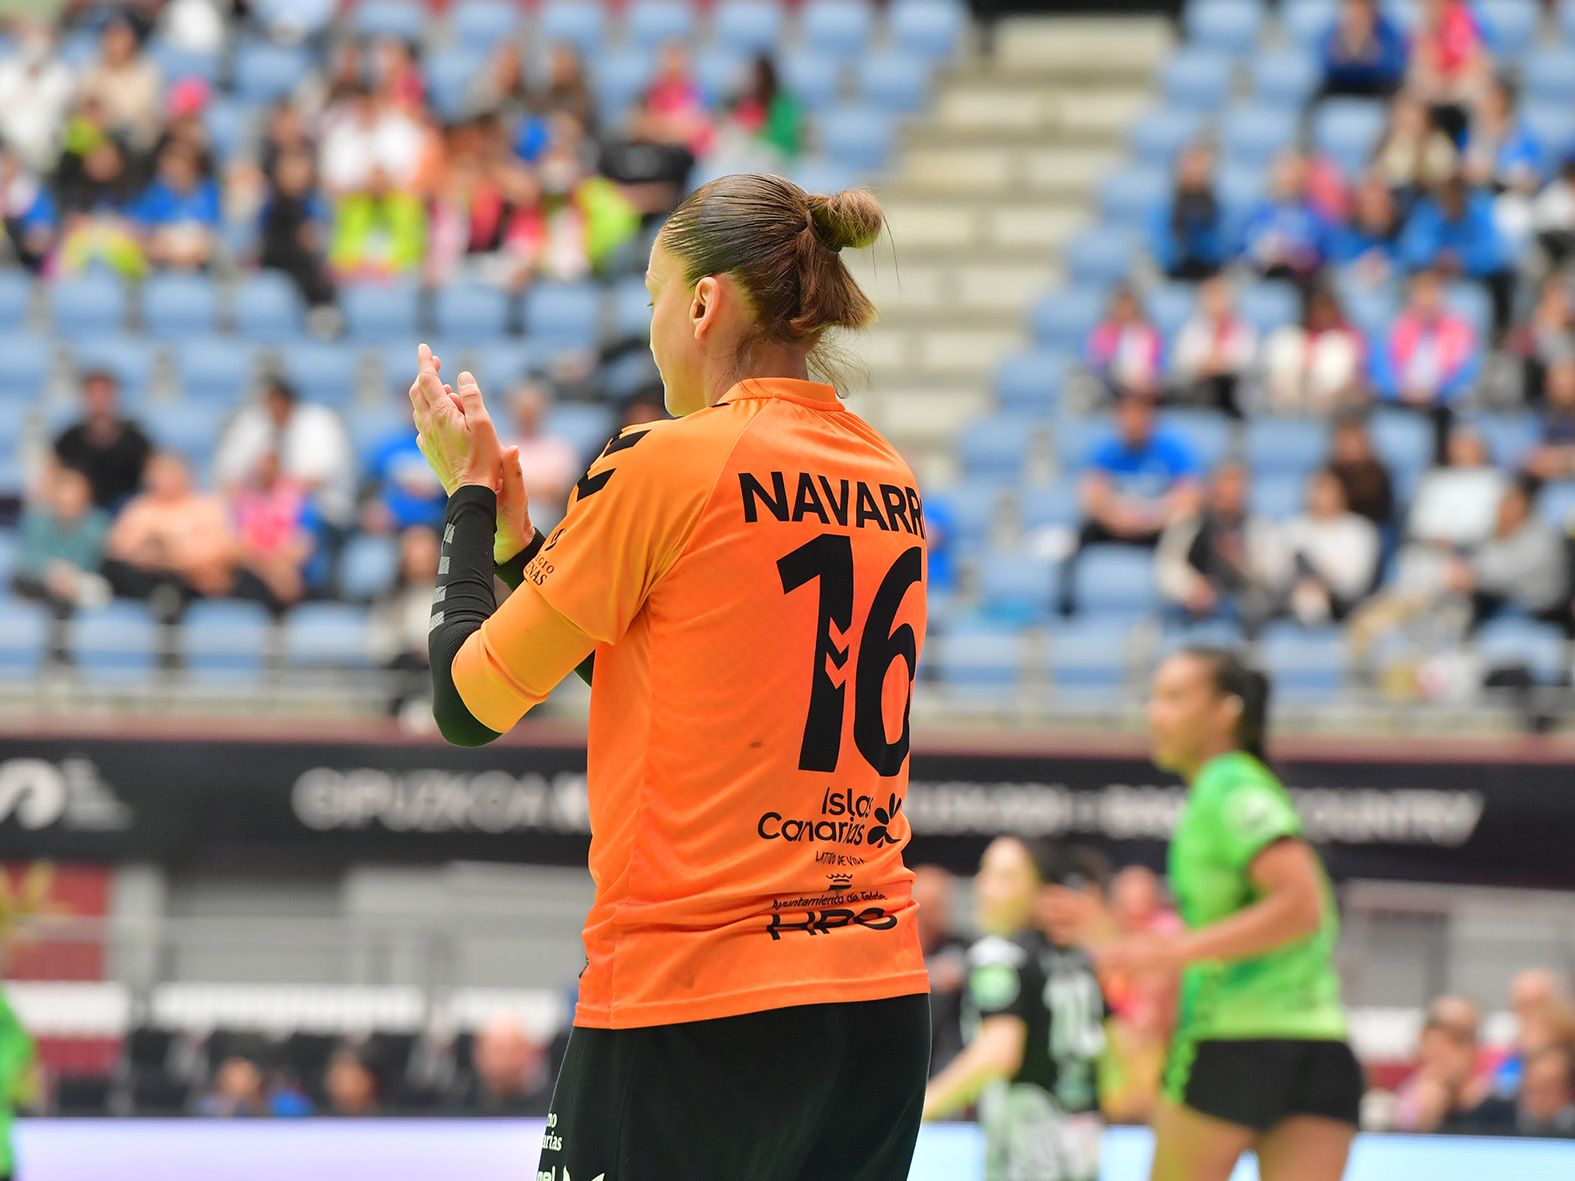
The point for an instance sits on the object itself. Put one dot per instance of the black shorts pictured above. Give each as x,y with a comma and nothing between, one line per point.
1261,1081
808,1093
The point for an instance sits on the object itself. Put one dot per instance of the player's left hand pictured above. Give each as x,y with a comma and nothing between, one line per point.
1138,955
453,429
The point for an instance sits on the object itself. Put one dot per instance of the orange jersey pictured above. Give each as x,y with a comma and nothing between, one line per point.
753,579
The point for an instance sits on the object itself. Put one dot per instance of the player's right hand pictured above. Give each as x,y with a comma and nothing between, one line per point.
514,531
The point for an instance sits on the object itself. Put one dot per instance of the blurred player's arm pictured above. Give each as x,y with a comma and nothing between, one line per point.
996,1053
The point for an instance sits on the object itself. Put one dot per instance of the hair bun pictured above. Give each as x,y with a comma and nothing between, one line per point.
852,217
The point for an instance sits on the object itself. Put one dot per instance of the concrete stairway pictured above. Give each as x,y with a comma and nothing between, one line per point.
987,186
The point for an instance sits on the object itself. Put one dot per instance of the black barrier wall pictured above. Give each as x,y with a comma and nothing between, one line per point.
1483,819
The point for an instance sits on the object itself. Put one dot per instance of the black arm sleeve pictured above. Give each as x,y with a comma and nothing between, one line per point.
512,573
463,601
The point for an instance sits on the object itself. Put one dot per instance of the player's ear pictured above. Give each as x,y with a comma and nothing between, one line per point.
704,306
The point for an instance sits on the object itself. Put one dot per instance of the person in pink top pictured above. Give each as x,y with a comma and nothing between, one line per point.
273,517
1450,64
675,110
1432,356
1125,351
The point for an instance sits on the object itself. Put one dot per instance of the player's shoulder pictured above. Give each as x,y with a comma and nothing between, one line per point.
1234,772
670,453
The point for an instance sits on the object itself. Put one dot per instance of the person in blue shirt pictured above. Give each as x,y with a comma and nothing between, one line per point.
1454,233
1283,237
1500,152
1363,54
179,211
406,492
1137,481
1187,234
1369,243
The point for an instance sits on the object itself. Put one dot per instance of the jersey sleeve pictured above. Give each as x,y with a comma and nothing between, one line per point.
1251,815
998,984
629,518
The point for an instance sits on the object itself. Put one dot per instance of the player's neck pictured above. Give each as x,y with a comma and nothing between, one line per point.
761,360
1206,756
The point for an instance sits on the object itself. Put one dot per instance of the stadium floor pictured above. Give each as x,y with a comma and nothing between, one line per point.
505,1150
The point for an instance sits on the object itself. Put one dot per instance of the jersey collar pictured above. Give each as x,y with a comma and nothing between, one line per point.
807,393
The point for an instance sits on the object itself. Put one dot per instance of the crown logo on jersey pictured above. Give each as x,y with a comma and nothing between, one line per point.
840,879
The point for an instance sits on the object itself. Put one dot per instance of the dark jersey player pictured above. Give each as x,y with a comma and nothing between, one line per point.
1033,1021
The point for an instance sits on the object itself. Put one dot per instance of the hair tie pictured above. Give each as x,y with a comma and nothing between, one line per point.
809,224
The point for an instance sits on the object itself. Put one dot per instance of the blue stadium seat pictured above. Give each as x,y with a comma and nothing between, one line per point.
1307,665
1470,299
1510,26
1197,80
630,372
1169,306
894,81
470,311
995,448
1556,505
1348,129
190,429
1566,19
177,305
1130,197
622,76
1551,124
574,22
368,566
1016,589
929,27
721,74
1088,660
118,642
1159,135
129,358
371,429
16,292
230,123
503,362
1402,439
1286,446
1508,436
1253,134
1286,77
1226,26
975,508
1063,319
485,22
631,308
563,315
388,18
324,371
1540,647
1049,506
822,176
29,359
79,48
655,22
450,73
858,137
587,426
1270,304
24,636
747,26
297,19
8,545
225,640
268,307
1306,21
327,635
1031,383
1115,580
982,662
214,369
381,312
1206,432
1239,188
1101,256
177,63
88,306
815,80
1277,495
265,73
835,28
1371,310
1074,440
1212,633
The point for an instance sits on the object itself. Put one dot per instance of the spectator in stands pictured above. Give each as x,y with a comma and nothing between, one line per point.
1187,234
36,89
1137,481
1543,1017
1502,156
405,492
285,132
1368,246
767,113
1432,356
350,1084
1364,54
275,531
502,87
1450,64
1453,232
1444,1086
396,76
1553,456
380,232
1414,156
1522,564
106,446
1545,1105
1210,564
1316,366
62,545
312,448
945,957
236,1091
1142,1005
584,218
1284,236
674,109
294,227
171,543
1326,558
1369,490
178,214
511,1072
1214,350
549,462
567,91
1549,337
126,82
1553,213
32,220
95,188
1125,351
401,618
363,136
939,539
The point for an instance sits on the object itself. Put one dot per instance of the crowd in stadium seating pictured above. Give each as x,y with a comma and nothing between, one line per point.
1348,298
